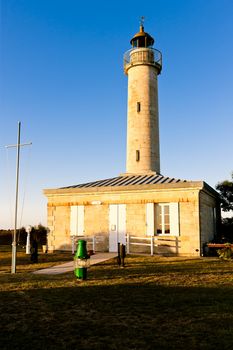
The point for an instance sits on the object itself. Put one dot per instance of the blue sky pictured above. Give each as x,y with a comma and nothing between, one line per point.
61,75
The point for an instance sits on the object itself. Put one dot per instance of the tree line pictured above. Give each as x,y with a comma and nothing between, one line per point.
225,189
38,234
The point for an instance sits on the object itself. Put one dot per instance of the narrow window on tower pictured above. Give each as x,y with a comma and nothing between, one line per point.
138,107
137,155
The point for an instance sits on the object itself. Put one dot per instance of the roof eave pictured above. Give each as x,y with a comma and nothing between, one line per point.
185,185
210,190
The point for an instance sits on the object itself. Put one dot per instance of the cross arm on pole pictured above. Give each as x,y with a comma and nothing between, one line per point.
20,145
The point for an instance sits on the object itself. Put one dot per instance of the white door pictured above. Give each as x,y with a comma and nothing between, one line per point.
117,226
113,227
122,223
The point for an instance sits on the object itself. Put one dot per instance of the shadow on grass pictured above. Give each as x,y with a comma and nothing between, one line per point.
128,316
197,268
147,305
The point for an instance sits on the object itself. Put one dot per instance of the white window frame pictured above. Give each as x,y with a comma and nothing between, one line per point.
162,206
151,217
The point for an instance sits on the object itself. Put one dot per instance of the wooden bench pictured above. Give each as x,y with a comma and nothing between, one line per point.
219,245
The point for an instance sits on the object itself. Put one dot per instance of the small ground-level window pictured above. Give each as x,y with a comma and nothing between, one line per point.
138,107
137,155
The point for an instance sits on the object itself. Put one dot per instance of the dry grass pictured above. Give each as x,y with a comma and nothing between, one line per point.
153,303
23,263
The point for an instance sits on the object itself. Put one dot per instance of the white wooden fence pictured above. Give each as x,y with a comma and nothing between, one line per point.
135,240
91,241
143,241
152,242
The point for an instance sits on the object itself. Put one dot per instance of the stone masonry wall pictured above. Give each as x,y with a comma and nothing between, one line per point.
136,219
142,126
97,216
59,228
209,212
189,228
96,223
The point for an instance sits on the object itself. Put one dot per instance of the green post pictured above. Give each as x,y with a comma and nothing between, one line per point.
82,249
81,260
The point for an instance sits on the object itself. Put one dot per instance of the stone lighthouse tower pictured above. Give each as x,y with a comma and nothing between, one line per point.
142,64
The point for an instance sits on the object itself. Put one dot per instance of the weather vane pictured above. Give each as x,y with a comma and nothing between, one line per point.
142,21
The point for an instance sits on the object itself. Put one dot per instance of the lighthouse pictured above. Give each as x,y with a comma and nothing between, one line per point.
142,65
142,208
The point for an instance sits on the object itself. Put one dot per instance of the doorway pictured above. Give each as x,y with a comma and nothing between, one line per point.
117,226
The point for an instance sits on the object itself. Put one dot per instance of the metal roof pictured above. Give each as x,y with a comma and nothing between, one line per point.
129,180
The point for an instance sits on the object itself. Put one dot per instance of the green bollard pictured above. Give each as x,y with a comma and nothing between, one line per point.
82,249
81,273
81,260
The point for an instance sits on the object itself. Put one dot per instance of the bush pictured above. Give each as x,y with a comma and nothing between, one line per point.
225,253
225,231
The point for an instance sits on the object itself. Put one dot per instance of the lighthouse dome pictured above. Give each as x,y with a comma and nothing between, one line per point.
142,39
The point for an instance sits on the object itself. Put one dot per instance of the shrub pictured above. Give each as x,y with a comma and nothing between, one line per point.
225,253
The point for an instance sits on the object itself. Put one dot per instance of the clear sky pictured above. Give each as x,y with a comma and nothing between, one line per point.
61,75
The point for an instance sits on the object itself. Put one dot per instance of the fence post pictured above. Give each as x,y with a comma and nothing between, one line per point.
152,246
128,243
72,244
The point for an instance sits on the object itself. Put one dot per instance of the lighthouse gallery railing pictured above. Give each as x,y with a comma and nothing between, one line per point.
136,56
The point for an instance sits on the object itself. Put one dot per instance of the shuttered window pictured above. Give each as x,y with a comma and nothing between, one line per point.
77,220
162,219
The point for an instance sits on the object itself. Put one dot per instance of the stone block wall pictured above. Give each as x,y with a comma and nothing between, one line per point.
96,223
136,219
59,228
193,217
142,129
189,228
209,217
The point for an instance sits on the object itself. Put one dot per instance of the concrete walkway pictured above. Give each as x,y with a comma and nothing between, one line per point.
69,266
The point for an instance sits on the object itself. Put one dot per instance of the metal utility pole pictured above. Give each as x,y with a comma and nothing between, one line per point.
18,145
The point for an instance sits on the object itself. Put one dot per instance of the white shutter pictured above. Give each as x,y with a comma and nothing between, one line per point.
80,220
113,227
121,223
77,220
150,219
74,220
174,219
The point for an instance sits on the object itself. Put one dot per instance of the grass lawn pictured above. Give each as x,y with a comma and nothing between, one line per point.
153,303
